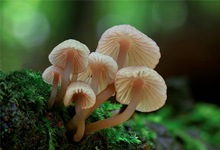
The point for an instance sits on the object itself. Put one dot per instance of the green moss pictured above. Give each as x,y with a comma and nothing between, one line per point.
27,124
23,99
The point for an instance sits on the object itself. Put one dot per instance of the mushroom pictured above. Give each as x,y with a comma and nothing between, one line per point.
52,75
129,47
100,72
141,88
73,57
100,98
84,98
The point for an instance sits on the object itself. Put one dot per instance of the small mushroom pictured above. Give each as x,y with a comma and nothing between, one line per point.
141,88
84,98
129,47
73,57
100,98
100,72
52,75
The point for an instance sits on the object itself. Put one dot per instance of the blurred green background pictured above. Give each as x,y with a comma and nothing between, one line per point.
187,33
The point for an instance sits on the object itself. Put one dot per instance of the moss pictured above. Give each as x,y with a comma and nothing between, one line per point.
27,124
23,99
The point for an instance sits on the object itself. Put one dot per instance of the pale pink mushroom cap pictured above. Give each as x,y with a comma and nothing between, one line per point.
108,68
80,51
88,96
48,74
154,88
142,50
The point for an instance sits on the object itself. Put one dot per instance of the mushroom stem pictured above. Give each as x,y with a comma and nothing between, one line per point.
124,44
54,90
65,79
101,98
124,116
80,119
96,73
71,125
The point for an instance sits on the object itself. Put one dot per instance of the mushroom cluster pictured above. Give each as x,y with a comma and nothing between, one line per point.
122,65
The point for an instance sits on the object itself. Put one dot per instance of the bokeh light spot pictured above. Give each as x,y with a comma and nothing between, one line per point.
25,23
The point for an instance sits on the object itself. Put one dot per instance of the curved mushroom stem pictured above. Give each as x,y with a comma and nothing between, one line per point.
124,116
124,44
71,125
54,90
65,79
80,120
100,98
